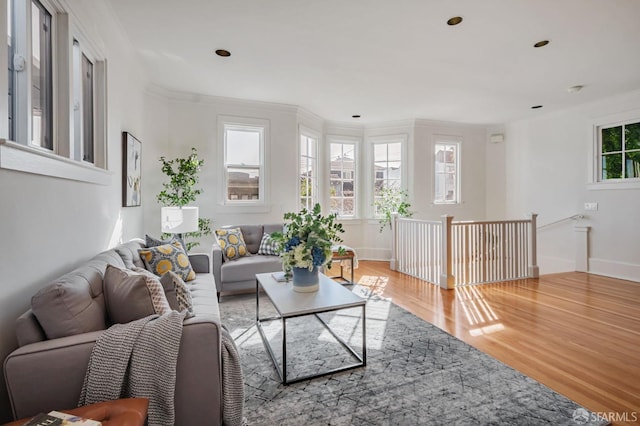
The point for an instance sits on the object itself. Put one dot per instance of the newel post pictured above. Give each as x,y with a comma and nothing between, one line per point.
582,248
394,242
446,276
534,270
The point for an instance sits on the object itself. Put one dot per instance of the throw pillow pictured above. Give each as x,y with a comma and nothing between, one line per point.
183,295
167,257
268,246
130,296
169,290
232,243
154,242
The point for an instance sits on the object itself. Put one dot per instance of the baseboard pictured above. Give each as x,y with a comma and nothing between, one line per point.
554,265
372,253
614,269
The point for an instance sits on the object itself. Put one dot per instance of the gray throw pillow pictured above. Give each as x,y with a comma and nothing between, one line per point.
155,242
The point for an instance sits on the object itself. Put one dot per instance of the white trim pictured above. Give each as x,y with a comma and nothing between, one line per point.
614,269
356,142
15,156
610,120
403,139
245,205
447,140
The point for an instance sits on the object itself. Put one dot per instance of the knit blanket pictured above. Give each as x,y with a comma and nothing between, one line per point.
137,359
232,382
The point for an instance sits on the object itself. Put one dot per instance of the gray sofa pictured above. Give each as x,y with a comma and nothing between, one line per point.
239,276
45,373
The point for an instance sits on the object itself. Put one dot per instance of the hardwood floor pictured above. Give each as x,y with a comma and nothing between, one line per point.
577,333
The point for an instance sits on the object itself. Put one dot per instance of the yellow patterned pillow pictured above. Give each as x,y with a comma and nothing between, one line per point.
232,243
167,257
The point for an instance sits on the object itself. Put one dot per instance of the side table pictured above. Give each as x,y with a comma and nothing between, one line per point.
120,412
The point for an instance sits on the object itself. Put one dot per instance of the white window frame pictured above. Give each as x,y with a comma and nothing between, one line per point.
243,123
595,161
19,154
457,142
315,159
378,140
344,140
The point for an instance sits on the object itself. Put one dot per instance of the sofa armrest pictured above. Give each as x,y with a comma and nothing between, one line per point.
217,260
48,375
28,329
200,262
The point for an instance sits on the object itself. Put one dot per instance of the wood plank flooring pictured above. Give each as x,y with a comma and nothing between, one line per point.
577,333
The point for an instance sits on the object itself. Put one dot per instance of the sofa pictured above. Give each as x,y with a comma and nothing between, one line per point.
46,372
239,275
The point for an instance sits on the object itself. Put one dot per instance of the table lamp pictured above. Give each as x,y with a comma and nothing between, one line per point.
179,220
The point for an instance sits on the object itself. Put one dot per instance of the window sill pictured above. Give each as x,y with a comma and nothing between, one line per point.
15,156
632,184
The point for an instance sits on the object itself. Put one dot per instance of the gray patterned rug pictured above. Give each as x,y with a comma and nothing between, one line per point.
416,374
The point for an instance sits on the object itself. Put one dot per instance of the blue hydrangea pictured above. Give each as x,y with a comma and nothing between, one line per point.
317,255
293,242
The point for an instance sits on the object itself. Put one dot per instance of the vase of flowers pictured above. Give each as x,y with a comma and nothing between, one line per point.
306,245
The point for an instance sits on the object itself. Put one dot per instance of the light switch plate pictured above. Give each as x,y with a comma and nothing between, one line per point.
591,206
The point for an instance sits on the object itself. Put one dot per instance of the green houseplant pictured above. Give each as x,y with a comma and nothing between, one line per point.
306,245
389,201
181,190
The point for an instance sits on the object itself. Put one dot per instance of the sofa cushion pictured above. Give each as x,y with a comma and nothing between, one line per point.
246,268
129,253
130,296
167,257
232,243
181,291
72,304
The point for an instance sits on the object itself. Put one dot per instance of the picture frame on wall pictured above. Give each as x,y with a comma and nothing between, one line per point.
131,170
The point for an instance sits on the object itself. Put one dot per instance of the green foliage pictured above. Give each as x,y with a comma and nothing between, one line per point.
180,191
183,176
308,238
391,200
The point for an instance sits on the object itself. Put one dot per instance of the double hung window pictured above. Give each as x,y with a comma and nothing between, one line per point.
446,173
243,163
308,170
342,184
619,152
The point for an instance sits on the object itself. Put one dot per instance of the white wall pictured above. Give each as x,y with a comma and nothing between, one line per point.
50,225
547,172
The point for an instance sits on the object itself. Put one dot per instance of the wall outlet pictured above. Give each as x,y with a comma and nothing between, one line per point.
591,206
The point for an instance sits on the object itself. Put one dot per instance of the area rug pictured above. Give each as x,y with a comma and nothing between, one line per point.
416,374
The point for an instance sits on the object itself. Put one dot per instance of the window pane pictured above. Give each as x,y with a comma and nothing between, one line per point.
380,152
87,109
395,152
303,146
41,77
611,166
632,136
243,184
632,164
242,147
612,139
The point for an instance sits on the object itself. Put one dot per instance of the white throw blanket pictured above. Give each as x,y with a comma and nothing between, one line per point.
137,359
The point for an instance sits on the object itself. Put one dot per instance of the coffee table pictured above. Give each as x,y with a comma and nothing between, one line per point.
288,303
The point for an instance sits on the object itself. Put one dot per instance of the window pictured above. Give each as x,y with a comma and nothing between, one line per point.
308,171
619,152
56,95
387,164
342,184
243,163
446,173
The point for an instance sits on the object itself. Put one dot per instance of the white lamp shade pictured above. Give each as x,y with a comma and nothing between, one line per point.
179,220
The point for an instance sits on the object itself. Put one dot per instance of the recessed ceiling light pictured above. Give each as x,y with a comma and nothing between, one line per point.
454,21
575,89
541,43
223,53
355,116
536,106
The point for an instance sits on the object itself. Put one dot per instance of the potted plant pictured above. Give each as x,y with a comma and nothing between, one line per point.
389,201
306,245
181,190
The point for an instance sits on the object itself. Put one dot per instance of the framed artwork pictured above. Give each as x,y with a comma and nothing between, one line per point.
131,170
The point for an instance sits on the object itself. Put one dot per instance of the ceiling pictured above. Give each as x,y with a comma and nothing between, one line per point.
391,60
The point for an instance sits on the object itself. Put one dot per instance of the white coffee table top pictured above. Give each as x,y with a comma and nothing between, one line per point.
288,302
